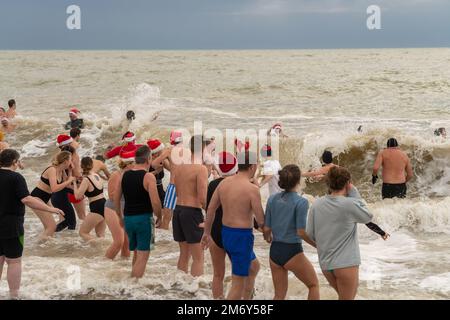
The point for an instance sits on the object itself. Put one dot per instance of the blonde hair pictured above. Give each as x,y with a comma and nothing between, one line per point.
123,164
61,158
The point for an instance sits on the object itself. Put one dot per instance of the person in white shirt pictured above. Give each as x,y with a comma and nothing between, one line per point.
270,173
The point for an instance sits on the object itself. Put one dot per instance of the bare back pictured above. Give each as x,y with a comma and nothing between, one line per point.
191,182
395,166
236,195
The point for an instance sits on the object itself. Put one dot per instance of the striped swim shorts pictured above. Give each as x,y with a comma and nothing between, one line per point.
170,200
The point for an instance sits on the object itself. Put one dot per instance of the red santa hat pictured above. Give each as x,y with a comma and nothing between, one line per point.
129,137
277,126
175,137
155,145
63,140
228,164
128,153
74,111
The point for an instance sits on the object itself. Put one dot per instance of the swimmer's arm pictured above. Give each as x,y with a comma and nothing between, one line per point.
302,233
154,197
202,186
314,173
157,161
378,163
106,172
267,230
54,185
257,208
38,204
213,205
265,180
166,164
78,192
114,152
310,226
409,171
375,228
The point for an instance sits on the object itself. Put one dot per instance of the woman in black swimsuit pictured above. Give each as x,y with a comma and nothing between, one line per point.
92,187
53,180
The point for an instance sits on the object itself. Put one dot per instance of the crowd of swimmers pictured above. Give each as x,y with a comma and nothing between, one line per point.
226,185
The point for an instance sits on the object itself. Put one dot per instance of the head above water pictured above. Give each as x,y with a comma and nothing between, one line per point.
9,158
327,157
74,113
392,143
12,103
75,133
290,177
68,148
131,115
440,132
87,165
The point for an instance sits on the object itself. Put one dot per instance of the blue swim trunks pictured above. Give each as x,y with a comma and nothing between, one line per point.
170,199
141,231
238,244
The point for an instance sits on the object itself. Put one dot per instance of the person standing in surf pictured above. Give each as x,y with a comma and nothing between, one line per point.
191,183
75,120
270,171
327,160
332,225
14,196
241,202
129,144
157,147
285,227
397,170
142,203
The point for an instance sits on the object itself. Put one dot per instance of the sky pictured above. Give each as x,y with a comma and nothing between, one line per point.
222,24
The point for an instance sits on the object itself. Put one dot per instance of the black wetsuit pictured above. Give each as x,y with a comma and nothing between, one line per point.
159,184
216,229
78,123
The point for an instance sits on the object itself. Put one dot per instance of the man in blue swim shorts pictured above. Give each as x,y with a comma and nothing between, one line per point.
239,198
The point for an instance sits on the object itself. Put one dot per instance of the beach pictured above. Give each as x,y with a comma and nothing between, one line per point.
320,96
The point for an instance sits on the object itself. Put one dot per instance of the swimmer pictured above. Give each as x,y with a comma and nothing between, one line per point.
397,170
75,120
441,132
92,187
360,130
191,183
100,168
54,179
142,206
131,115
327,160
285,220
337,238
228,167
270,171
75,134
14,196
170,199
129,144
11,113
7,125
112,215
276,131
241,201
157,147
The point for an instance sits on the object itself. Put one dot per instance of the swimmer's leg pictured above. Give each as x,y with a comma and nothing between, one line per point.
304,271
14,276
80,209
140,260
331,278
218,257
117,233
183,260
237,288
91,221
100,229
198,258
48,222
250,280
347,280
280,281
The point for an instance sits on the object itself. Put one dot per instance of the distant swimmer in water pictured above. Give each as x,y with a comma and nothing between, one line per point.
6,125
440,132
3,144
75,120
129,143
360,129
397,170
327,160
75,134
131,115
276,131
11,113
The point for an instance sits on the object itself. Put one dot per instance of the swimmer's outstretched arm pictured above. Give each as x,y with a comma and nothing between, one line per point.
375,228
79,191
159,160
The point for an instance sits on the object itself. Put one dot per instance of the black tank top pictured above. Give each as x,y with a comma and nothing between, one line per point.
137,200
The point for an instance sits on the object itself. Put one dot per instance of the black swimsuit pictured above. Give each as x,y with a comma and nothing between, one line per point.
97,206
41,194
159,184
